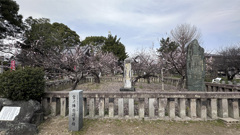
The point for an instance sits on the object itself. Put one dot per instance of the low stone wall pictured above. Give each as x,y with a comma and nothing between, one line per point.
149,105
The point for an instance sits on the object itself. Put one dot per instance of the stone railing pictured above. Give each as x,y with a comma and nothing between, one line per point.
149,105
58,85
210,87
216,87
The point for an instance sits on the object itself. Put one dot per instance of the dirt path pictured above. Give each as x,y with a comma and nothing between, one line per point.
59,126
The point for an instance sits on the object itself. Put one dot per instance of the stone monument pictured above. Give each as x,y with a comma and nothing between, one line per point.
195,73
20,117
75,110
127,76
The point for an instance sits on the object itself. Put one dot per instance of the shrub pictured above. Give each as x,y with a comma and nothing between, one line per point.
22,84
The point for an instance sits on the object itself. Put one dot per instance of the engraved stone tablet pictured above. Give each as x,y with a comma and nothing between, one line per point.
8,113
75,110
195,67
127,76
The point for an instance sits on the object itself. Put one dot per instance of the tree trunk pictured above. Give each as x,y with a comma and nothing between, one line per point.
75,84
96,77
181,83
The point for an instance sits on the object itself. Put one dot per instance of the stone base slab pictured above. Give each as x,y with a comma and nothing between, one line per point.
229,121
127,89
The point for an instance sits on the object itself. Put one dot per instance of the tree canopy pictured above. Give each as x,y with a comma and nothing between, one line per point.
107,44
94,40
112,44
42,32
173,49
10,20
228,60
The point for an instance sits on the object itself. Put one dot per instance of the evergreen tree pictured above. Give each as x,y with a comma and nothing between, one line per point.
10,20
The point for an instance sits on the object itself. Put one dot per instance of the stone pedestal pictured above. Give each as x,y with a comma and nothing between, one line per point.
131,107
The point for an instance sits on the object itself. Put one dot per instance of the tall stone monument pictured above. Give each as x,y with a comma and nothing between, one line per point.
75,110
127,76
195,67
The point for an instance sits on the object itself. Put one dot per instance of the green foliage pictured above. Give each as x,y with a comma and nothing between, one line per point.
93,40
167,46
22,84
9,12
42,33
109,44
112,44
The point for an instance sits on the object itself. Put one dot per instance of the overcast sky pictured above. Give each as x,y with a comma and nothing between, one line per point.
141,23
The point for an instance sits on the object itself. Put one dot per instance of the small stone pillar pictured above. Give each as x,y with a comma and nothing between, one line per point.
131,107
120,107
63,107
46,106
161,108
101,107
53,104
75,110
233,108
91,107
212,108
141,108
171,108
193,107
151,107
85,107
203,109
111,107
182,107
127,76
223,108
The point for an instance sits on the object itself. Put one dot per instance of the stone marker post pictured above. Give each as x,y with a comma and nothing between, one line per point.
195,73
127,76
75,110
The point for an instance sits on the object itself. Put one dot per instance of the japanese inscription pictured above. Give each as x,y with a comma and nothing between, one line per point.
75,110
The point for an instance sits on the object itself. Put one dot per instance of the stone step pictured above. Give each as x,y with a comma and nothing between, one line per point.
229,121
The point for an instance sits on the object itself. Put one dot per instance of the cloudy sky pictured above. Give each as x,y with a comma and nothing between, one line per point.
141,23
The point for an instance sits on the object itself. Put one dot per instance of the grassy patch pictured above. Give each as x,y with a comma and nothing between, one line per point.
87,123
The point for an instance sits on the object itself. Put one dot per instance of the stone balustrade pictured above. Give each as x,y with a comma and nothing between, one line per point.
210,87
58,85
149,105
216,87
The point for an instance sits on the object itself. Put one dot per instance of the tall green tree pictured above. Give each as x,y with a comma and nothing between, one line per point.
44,36
94,40
10,20
113,44
42,32
107,44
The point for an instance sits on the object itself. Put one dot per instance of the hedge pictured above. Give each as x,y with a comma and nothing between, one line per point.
22,84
